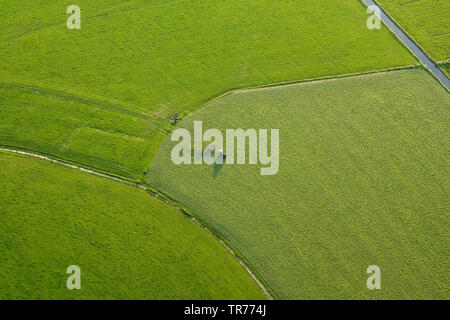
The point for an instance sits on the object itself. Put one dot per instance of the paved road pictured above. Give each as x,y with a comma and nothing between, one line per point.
427,62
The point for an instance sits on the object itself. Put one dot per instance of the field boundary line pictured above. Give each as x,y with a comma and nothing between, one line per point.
167,129
163,198
334,78
298,82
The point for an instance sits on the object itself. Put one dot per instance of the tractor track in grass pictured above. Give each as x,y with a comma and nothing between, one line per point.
153,122
160,196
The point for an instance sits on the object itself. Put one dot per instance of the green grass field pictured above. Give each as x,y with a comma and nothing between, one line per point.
446,68
128,244
363,181
70,128
364,159
426,21
102,95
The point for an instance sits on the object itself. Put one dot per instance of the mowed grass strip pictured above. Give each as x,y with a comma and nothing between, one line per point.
127,244
152,59
426,21
363,181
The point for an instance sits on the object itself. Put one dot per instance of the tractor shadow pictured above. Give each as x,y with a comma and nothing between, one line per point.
217,168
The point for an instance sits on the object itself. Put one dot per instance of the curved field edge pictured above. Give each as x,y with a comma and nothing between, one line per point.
141,66
158,195
127,244
362,181
45,122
